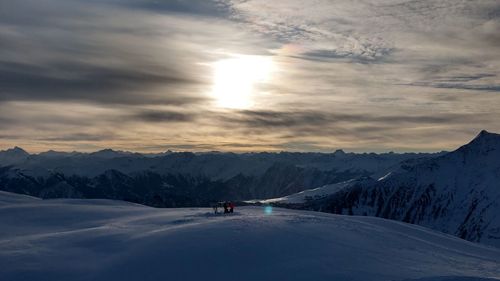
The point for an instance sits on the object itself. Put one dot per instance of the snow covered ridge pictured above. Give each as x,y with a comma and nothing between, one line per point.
308,194
456,193
184,179
67,239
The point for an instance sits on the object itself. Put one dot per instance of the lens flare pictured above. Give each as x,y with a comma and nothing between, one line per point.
268,210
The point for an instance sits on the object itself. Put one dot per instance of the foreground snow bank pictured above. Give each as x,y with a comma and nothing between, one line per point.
109,240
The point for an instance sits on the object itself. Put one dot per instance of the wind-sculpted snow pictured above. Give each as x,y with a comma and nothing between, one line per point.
110,240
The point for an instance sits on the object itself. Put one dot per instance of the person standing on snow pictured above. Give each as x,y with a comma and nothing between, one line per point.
215,206
226,205
231,207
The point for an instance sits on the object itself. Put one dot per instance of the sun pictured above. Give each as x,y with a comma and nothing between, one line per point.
235,79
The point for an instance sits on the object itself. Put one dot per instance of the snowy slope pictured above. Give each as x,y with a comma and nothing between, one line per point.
110,240
7,198
457,193
308,194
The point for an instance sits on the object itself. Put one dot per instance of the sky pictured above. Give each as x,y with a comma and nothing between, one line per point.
248,75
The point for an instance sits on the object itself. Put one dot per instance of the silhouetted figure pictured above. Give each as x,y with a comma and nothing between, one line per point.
215,206
231,207
226,206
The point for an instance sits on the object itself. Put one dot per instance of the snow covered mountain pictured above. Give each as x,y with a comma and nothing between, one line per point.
186,179
213,165
68,239
456,193
13,156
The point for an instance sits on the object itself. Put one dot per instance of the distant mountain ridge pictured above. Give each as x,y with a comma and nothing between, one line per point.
185,178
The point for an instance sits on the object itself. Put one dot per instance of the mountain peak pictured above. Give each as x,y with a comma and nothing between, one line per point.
485,133
484,142
107,152
14,155
485,136
339,152
17,150
110,153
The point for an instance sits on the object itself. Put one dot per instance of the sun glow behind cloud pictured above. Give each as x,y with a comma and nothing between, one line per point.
359,75
236,79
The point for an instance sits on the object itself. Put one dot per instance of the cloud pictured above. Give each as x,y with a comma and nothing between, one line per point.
299,120
79,137
368,56
459,86
410,34
361,75
105,52
91,83
163,116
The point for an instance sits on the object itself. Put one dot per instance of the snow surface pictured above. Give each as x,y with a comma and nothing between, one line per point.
110,240
308,194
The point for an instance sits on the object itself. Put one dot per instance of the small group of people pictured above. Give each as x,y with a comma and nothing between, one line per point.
227,205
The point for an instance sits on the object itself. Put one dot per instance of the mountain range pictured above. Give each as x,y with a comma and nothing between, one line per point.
182,179
456,193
